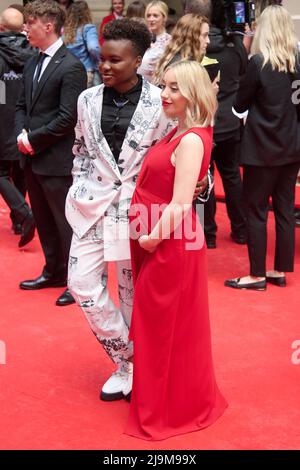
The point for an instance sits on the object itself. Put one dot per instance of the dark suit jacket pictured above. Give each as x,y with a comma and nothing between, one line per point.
14,53
272,132
51,116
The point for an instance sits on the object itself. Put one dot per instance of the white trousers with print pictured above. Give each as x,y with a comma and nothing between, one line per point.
87,281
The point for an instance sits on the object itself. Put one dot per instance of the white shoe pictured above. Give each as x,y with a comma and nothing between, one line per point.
119,385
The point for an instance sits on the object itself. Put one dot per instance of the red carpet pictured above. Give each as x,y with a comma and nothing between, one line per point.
54,365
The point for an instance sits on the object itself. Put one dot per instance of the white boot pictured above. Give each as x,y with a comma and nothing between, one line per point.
119,385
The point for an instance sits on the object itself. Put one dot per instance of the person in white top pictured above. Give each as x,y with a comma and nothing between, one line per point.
156,16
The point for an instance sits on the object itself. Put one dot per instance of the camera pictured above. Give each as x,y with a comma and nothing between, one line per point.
237,14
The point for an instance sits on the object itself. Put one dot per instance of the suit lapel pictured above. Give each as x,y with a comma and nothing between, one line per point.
94,108
140,123
29,80
53,64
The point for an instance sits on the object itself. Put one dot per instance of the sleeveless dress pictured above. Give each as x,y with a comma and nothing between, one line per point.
174,388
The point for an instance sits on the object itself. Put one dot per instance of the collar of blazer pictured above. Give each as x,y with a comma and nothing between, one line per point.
53,64
134,144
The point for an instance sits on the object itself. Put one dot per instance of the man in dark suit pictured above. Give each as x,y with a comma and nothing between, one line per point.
45,120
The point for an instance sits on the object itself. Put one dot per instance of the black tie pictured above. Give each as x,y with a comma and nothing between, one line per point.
39,64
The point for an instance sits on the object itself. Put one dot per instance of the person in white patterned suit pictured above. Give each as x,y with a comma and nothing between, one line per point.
118,121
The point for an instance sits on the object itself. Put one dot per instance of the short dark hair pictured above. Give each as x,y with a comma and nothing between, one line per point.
49,10
18,7
218,14
198,7
132,30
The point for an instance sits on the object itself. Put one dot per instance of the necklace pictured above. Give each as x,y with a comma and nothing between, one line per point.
120,104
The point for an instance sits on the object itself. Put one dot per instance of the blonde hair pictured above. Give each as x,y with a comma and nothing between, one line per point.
194,84
275,39
185,41
161,6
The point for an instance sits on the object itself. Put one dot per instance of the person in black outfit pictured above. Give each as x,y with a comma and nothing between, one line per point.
45,119
15,50
270,151
232,58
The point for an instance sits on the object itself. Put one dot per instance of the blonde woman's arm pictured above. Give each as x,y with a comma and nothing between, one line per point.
189,155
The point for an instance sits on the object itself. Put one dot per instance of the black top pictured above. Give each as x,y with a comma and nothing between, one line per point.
271,135
232,57
117,112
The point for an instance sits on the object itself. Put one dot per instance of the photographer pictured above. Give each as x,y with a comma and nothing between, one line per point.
232,57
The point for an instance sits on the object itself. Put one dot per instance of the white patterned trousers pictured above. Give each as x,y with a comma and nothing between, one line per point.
87,281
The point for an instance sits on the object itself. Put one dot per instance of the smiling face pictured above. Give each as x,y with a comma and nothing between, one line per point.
119,63
204,38
174,104
118,6
155,20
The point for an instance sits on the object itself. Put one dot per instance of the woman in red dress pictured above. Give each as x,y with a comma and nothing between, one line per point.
117,7
174,387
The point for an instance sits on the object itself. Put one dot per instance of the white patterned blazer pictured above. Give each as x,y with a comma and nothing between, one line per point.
102,189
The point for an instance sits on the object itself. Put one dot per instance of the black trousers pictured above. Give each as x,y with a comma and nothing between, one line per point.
18,177
259,184
225,155
13,189
47,196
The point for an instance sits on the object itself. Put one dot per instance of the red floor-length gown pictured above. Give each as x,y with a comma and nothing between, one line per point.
174,387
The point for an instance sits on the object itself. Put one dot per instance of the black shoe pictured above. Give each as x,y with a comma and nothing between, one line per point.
65,298
235,283
240,239
211,242
42,282
277,281
28,228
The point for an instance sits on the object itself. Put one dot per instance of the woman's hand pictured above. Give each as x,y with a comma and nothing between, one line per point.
200,187
215,84
147,243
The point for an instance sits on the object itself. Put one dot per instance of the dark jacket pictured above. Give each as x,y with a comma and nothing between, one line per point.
50,117
271,135
232,58
14,53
